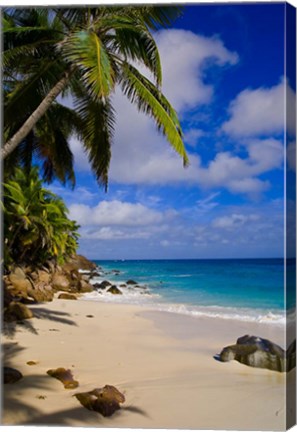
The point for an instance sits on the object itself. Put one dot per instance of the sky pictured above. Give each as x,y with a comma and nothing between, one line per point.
223,71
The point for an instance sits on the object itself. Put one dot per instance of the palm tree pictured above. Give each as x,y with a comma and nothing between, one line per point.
86,53
36,226
48,141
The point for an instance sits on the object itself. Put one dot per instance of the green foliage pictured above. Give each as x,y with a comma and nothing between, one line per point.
97,48
36,226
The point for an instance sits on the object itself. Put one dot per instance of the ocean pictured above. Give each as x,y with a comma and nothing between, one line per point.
244,289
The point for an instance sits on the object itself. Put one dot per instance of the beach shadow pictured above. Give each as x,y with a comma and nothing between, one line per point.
90,418
17,408
12,404
9,329
136,410
9,351
66,417
217,357
13,407
53,315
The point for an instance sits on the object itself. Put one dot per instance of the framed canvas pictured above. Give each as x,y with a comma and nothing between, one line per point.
149,216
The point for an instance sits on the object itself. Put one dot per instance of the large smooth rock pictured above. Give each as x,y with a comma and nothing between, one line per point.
114,290
131,282
43,276
102,285
257,352
85,286
105,284
60,282
104,400
67,296
19,282
42,292
18,272
81,262
11,375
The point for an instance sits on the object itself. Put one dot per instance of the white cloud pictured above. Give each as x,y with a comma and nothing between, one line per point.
142,156
116,213
191,137
249,185
261,111
234,220
80,157
239,174
227,231
151,161
184,56
207,204
84,193
136,137
109,233
245,230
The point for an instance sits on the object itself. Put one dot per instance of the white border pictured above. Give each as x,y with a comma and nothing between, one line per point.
96,2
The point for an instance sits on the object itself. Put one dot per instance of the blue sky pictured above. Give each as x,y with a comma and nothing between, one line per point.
223,71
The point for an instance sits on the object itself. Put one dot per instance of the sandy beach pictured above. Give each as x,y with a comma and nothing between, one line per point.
162,362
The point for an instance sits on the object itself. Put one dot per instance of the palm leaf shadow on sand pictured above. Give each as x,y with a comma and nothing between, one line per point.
9,329
89,418
136,410
19,409
53,315
9,351
10,402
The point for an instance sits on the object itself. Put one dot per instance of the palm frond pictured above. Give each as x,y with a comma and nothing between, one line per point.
52,133
85,49
22,97
156,16
149,100
96,131
132,40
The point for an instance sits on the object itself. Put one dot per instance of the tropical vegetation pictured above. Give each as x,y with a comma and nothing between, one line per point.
36,226
82,56
85,54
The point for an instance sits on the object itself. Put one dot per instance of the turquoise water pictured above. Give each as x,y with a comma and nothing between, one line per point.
246,289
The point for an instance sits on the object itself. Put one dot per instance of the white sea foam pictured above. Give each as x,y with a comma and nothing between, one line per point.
143,296
226,313
130,293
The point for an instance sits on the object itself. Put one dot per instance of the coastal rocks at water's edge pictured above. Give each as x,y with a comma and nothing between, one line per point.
261,353
114,290
24,285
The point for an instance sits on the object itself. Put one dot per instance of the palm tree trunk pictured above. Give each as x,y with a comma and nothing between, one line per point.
31,121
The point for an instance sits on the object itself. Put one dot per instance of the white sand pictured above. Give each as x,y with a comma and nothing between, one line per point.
162,362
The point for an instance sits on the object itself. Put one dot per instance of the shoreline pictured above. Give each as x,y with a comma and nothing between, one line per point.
163,362
147,292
